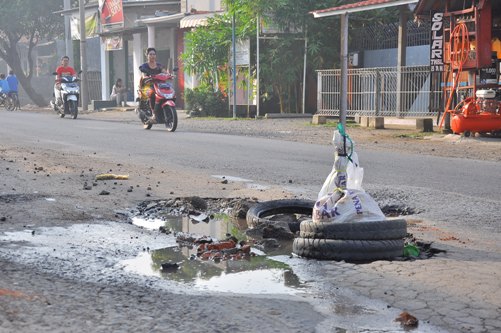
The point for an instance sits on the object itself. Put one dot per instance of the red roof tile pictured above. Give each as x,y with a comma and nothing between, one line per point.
356,5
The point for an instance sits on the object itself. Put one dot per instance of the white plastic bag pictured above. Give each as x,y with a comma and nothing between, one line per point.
347,206
355,173
342,198
343,168
338,177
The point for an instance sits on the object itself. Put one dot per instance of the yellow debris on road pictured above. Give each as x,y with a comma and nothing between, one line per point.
108,176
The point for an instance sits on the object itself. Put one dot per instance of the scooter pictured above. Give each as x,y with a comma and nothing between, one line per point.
69,92
165,98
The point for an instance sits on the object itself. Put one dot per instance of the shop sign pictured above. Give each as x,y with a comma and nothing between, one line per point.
437,43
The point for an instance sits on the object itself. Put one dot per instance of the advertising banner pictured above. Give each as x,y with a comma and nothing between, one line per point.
437,43
112,15
90,26
113,43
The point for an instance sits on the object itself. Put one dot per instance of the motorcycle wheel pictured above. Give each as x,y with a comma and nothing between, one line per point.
72,105
144,119
9,104
170,117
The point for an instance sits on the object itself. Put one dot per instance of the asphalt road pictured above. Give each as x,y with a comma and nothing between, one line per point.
262,160
456,193
451,190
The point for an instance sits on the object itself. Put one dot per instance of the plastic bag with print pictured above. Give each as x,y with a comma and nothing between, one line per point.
347,206
342,197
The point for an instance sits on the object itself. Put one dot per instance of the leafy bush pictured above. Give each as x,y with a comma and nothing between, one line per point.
202,102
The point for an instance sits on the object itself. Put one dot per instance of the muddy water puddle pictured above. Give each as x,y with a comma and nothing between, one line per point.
256,273
121,254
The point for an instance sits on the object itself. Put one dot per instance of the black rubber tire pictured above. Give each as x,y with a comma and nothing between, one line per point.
349,250
144,119
9,104
257,214
373,230
170,118
73,107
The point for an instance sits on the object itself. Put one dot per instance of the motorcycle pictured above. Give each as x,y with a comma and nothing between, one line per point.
7,102
69,91
165,97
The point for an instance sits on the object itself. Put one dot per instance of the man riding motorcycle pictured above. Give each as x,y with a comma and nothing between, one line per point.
63,70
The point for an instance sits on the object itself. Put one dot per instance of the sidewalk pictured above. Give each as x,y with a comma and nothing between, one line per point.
459,290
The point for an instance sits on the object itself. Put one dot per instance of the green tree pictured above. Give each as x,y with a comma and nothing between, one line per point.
281,65
27,21
281,55
207,51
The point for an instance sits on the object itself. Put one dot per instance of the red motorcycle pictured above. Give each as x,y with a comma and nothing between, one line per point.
165,97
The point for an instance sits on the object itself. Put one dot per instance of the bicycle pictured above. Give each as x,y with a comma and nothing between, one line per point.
7,102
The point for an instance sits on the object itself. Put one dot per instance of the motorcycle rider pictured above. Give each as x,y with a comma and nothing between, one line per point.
13,86
62,70
4,85
151,67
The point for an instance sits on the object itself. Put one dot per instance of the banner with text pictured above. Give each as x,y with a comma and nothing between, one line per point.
112,15
437,43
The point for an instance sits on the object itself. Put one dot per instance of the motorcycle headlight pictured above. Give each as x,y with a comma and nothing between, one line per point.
168,96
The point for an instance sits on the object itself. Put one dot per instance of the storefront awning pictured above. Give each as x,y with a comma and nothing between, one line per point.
162,20
360,6
195,20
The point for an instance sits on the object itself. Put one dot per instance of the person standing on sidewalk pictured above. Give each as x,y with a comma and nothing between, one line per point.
13,86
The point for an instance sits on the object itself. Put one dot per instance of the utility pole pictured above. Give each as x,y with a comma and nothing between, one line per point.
343,91
67,30
83,58
234,67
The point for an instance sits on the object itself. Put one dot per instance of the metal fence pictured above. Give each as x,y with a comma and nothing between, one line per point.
373,92
94,84
95,88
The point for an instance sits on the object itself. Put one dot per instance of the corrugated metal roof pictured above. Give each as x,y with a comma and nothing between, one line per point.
172,18
195,20
360,6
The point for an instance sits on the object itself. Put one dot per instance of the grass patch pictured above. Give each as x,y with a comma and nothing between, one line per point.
328,124
414,135
221,118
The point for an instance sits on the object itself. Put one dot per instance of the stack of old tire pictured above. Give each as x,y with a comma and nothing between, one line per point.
351,241
347,222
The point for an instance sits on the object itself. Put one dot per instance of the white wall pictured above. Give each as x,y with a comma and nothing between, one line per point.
201,5
415,56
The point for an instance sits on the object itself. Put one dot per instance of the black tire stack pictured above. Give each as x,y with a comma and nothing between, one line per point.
351,241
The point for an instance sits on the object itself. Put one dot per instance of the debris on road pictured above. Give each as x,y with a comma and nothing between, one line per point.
407,320
109,176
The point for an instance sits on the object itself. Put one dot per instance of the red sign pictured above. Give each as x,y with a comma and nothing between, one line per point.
112,15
